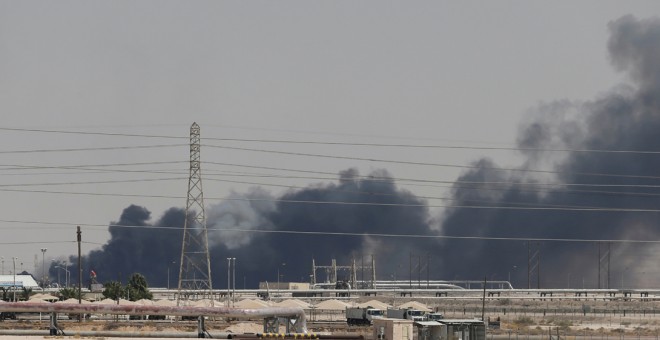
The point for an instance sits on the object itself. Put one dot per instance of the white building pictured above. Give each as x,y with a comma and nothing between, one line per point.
7,281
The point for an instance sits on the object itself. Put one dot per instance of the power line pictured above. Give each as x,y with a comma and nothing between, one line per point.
92,149
433,146
407,180
83,166
464,187
375,204
445,165
94,168
286,141
285,186
345,157
92,133
326,233
95,182
394,194
404,181
35,242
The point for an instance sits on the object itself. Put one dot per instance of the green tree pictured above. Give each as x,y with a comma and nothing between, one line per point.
138,288
113,290
68,293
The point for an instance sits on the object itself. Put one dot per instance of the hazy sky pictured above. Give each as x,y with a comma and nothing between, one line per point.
459,73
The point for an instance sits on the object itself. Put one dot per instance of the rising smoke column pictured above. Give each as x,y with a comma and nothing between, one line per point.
357,205
625,118
137,246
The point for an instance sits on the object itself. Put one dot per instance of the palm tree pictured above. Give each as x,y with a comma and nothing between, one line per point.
25,294
68,293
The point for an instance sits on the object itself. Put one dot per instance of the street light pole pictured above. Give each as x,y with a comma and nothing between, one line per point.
43,268
66,275
3,265
168,274
228,279
58,274
233,292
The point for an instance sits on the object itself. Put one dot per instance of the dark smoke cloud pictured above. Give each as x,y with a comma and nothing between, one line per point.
625,118
136,246
292,253
148,249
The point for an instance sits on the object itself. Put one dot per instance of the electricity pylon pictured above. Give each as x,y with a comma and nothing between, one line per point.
195,265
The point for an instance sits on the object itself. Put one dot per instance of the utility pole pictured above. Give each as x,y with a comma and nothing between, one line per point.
14,260
79,236
43,268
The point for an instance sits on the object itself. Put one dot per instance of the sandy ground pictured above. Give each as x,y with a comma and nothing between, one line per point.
591,317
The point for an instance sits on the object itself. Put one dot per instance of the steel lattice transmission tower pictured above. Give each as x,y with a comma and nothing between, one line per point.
195,268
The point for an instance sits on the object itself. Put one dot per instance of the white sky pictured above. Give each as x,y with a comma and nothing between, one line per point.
424,72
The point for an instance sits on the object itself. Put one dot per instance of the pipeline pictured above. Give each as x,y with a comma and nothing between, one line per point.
113,334
296,313
320,336
171,335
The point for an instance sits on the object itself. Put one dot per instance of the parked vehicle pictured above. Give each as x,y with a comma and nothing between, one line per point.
408,314
434,316
362,316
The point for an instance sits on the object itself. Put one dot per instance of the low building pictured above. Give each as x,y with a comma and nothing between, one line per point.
392,329
451,329
19,281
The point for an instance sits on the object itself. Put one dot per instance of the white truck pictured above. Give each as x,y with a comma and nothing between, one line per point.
408,314
362,316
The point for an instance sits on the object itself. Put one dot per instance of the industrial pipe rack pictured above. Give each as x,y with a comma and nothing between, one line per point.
295,316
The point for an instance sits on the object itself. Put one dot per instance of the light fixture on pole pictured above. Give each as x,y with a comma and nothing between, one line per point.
233,292
3,265
43,267
168,274
228,279
58,272
66,275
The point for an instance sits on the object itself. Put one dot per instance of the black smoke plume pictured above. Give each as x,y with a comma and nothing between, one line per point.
625,118
241,227
248,226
